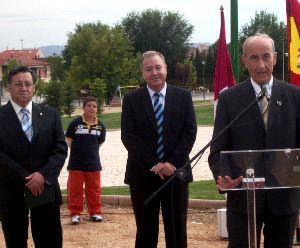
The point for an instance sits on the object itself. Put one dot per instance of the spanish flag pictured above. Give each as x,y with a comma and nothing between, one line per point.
293,26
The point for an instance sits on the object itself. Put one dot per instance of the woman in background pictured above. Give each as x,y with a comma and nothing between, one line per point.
84,136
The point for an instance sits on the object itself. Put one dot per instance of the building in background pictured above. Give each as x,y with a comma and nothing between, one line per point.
32,58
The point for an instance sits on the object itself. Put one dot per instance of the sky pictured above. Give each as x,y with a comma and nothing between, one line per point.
35,23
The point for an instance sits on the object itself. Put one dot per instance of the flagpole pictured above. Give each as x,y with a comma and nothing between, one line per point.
234,48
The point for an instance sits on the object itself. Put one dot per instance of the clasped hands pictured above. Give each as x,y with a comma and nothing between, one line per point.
35,182
163,169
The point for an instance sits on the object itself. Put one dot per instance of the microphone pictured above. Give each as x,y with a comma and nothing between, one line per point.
180,173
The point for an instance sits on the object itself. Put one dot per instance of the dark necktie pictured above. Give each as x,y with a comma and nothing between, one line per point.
26,123
264,107
159,117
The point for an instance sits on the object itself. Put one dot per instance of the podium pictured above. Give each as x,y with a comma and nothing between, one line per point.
261,170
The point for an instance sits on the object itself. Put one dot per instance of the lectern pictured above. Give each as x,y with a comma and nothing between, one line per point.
261,170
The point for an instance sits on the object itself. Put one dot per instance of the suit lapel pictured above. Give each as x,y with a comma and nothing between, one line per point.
276,104
147,103
247,96
37,116
169,99
13,127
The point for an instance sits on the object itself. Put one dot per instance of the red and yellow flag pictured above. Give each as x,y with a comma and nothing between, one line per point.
293,26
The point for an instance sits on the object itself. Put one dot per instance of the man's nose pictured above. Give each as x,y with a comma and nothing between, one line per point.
261,62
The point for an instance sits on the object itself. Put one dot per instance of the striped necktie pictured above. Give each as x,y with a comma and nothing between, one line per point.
26,123
264,107
159,117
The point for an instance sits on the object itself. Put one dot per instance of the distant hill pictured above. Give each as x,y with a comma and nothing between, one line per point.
52,50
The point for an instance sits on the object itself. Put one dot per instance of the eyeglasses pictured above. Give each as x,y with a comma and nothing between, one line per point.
20,84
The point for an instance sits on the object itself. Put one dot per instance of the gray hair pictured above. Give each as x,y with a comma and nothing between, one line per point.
255,36
149,54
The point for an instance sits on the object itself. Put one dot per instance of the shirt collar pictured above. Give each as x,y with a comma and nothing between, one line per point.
89,123
257,87
17,107
163,91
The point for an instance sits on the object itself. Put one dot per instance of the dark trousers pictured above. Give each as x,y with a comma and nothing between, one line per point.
278,230
45,226
173,202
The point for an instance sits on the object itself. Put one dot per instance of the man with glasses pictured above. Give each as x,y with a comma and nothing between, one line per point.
32,153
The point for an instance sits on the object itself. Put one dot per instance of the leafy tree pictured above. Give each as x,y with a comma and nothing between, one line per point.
40,88
199,63
186,73
11,65
209,67
57,65
166,32
98,51
98,90
54,95
264,22
68,98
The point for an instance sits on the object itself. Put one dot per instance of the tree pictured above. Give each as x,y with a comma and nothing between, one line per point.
40,88
185,73
57,65
199,63
98,51
166,32
98,90
209,67
264,22
11,65
54,95
68,98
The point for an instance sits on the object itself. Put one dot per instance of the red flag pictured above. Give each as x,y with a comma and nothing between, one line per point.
293,25
224,77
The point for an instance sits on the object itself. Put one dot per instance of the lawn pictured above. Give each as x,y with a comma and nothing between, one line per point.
205,189
203,109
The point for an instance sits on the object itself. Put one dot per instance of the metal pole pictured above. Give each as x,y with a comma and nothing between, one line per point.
283,54
234,38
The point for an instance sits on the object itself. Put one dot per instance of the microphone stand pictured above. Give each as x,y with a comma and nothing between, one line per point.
180,172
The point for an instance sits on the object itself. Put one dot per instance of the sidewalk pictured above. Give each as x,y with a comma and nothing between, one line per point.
113,158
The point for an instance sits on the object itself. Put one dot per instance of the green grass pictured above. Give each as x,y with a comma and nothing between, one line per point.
204,116
205,189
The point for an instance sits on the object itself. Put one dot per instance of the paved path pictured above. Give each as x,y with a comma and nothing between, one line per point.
113,158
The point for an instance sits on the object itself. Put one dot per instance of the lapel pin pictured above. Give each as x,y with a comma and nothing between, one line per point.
279,103
41,113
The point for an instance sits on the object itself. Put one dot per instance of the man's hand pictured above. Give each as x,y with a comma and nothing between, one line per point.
226,182
163,169
35,183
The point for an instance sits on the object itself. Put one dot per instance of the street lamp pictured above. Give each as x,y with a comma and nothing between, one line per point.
203,71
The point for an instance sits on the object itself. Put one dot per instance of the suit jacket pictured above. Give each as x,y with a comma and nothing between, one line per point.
249,133
19,158
139,133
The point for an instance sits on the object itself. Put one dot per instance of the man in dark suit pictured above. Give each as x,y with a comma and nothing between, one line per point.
276,209
158,129
32,153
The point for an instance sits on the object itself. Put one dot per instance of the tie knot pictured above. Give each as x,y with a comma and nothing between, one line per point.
264,90
24,111
157,95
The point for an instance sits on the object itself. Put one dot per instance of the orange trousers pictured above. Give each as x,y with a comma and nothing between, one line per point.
90,182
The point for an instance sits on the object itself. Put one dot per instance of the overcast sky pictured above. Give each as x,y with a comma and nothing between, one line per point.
42,22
